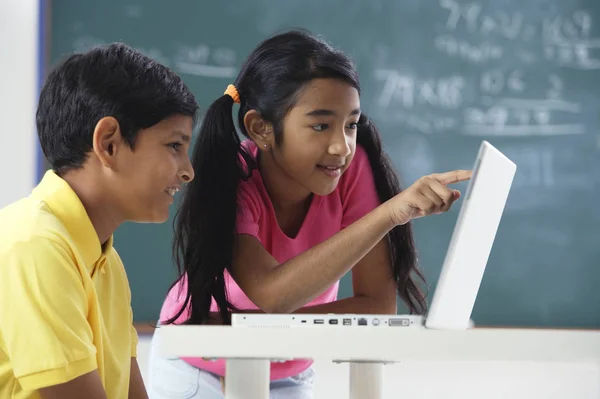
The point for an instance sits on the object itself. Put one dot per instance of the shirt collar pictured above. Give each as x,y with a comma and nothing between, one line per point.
67,207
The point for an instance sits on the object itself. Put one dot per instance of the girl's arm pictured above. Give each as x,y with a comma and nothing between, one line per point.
286,287
373,285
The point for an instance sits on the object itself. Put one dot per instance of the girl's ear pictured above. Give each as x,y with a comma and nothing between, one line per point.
259,130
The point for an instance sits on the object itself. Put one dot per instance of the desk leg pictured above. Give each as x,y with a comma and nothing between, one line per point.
366,380
247,378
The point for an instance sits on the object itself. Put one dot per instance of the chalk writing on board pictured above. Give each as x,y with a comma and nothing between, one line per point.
496,81
504,107
578,25
514,82
567,41
516,118
512,25
476,53
506,116
440,92
472,16
493,102
423,122
201,60
575,54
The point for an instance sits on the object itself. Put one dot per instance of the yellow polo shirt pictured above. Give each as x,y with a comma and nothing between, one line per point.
65,302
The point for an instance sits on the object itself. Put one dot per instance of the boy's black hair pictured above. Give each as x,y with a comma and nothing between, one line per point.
113,80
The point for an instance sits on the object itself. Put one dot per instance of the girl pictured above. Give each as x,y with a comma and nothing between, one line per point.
271,224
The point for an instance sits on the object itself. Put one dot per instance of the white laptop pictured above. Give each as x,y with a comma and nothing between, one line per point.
463,268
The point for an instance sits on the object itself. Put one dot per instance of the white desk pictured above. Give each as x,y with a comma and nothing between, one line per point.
248,350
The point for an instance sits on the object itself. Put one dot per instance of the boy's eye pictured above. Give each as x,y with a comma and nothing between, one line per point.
175,146
353,125
319,127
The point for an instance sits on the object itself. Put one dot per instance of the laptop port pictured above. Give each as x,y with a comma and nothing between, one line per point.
399,322
333,321
347,322
319,321
362,322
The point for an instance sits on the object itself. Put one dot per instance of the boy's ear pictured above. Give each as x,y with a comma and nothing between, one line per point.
107,140
259,130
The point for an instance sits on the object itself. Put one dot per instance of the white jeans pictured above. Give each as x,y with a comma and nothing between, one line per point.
173,378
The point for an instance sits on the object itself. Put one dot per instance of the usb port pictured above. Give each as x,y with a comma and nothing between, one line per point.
347,322
333,321
319,321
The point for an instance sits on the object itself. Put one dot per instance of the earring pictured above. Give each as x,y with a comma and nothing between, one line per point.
264,145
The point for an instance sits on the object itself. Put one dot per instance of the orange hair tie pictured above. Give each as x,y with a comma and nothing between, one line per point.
232,92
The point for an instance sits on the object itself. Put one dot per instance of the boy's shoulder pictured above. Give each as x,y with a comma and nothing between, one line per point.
29,220
50,220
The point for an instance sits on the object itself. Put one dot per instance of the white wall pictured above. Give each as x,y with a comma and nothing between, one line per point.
454,380
18,98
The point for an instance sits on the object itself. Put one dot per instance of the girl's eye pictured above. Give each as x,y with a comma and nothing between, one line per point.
175,146
320,127
353,126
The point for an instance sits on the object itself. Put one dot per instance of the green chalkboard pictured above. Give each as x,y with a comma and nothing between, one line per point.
438,77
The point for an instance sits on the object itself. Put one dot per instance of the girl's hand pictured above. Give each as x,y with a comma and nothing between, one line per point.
427,196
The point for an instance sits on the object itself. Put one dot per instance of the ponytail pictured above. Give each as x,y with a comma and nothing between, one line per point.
403,252
205,222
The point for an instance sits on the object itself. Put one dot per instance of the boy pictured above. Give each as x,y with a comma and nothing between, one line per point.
115,127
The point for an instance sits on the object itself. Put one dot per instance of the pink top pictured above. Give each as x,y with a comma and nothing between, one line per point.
354,197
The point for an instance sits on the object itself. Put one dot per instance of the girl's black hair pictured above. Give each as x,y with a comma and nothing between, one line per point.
269,81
